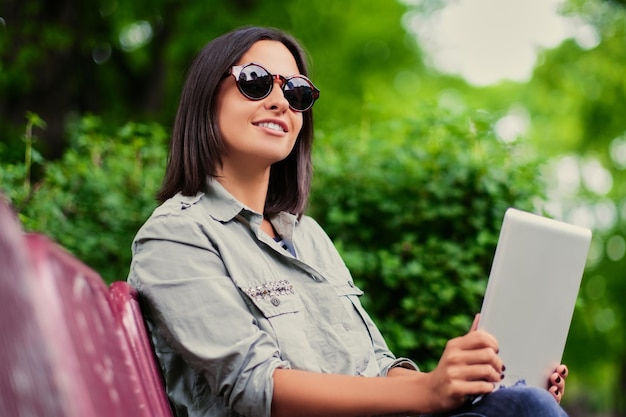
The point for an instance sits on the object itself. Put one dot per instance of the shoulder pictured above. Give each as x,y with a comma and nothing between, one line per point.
179,217
178,206
310,234
308,226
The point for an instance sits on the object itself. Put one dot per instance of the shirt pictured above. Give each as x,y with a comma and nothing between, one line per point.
226,304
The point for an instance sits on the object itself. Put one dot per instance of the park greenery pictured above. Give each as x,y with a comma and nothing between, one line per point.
412,173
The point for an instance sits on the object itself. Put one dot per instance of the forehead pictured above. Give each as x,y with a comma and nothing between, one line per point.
272,55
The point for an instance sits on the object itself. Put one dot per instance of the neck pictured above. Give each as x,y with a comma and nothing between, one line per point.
250,188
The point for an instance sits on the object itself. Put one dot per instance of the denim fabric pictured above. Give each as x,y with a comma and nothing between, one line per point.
519,400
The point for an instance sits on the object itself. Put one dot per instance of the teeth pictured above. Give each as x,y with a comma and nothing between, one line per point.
273,126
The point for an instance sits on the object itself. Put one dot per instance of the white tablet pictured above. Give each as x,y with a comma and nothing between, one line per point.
531,293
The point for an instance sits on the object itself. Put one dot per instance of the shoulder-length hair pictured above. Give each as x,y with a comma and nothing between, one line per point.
196,145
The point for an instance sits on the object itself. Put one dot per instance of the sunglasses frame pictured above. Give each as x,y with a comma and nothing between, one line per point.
236,71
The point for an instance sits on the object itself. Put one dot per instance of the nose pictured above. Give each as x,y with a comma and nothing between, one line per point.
276,98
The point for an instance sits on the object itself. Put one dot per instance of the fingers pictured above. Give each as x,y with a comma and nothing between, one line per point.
450,393
470,365
481,372
474,348
556,393
472,388
476,339
473,366
557,382
472,358
485,356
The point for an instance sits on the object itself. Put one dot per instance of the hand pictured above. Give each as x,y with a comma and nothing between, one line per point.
557,382
470,365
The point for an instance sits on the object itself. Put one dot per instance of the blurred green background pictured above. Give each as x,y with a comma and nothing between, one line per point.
414,165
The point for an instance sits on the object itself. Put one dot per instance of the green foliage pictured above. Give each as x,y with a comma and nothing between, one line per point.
401,176
415,209
119,58
578,101
94,199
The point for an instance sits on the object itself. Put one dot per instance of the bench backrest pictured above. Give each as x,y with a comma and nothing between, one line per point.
70,345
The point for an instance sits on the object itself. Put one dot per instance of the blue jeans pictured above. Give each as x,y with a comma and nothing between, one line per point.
518,400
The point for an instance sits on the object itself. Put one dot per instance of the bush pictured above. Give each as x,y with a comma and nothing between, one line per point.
415,209
94,199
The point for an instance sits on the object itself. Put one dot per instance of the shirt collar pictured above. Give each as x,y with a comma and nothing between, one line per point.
284,224
225,207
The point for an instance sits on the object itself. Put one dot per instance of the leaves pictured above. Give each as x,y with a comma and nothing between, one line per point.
416,209
94,199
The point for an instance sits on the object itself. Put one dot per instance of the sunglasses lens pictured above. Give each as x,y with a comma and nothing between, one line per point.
255,82
299,93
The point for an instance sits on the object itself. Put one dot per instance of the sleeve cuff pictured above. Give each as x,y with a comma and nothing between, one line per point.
403,363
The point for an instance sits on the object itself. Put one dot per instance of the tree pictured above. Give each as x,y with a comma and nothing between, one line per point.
125,62
579,98
119,59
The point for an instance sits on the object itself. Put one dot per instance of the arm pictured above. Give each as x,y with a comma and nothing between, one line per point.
468,366
200,313
314,394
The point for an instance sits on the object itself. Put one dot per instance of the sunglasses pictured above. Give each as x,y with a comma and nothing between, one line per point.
256,83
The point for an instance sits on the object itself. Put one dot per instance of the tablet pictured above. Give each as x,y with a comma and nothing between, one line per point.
531,293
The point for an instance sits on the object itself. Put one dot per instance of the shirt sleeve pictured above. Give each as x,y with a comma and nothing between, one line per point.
402,363
199,310
386,359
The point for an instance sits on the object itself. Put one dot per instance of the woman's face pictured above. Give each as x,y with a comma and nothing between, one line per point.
258,133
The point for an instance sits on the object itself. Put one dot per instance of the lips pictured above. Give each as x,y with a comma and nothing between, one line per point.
277,126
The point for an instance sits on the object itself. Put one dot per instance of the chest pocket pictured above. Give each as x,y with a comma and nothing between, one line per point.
280,313
274,298
345,288
356,323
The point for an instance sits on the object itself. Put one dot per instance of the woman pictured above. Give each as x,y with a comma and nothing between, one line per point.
251,309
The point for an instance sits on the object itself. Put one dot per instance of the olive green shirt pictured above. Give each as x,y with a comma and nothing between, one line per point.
227,305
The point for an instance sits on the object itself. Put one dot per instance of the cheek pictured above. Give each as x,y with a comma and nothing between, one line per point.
230,109
298,123
229,117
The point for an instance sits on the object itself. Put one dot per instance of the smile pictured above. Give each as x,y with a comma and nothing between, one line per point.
272,126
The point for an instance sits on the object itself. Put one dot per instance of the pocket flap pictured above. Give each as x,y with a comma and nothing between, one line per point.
348,288
274,298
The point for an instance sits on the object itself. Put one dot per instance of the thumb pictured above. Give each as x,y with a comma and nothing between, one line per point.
475,323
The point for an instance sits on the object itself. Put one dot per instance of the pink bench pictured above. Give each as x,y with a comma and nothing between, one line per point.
69,345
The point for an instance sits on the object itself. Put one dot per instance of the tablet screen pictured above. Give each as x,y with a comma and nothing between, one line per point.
531,293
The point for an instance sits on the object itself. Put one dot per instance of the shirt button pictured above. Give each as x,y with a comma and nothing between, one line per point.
275,301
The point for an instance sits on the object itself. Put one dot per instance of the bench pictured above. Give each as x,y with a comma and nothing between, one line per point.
70,345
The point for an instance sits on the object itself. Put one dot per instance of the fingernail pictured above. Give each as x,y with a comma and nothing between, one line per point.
564,372
557,393
503,368
501,377
558,379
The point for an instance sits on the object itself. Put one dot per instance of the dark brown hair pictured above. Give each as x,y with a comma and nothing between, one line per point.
196,145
